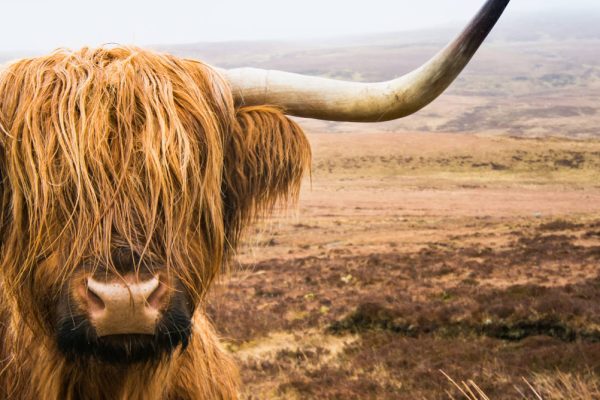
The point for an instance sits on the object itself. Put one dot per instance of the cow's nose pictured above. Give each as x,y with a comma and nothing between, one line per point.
126,306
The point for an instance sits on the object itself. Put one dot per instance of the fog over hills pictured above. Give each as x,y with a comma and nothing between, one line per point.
535,75
519,29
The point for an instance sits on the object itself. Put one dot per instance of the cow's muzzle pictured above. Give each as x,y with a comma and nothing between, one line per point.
125,306
132,316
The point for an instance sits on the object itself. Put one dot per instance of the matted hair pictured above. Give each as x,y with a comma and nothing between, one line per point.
109,147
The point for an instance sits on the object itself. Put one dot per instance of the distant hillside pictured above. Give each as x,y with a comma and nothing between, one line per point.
331,54
535,75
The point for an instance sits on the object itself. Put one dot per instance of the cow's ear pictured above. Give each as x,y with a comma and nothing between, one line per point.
266,156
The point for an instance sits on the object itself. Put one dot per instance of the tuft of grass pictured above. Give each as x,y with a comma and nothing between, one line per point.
558,386
468,389
567,386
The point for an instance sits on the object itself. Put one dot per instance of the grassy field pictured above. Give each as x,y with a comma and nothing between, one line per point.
477,257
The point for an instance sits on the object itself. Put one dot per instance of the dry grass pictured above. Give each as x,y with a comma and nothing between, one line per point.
458,159
558,386
566,386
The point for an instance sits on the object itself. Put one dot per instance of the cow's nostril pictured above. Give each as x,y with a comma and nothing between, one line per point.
156,297
94,302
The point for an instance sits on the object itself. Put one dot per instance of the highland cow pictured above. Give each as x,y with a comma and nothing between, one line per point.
127,179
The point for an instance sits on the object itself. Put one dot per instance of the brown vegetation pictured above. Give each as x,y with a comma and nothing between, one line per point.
394,270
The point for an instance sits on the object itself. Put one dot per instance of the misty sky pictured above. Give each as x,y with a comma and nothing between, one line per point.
42,25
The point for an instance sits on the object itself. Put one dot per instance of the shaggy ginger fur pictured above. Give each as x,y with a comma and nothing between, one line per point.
125,147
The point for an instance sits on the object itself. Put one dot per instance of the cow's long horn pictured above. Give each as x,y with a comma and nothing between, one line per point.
328,99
